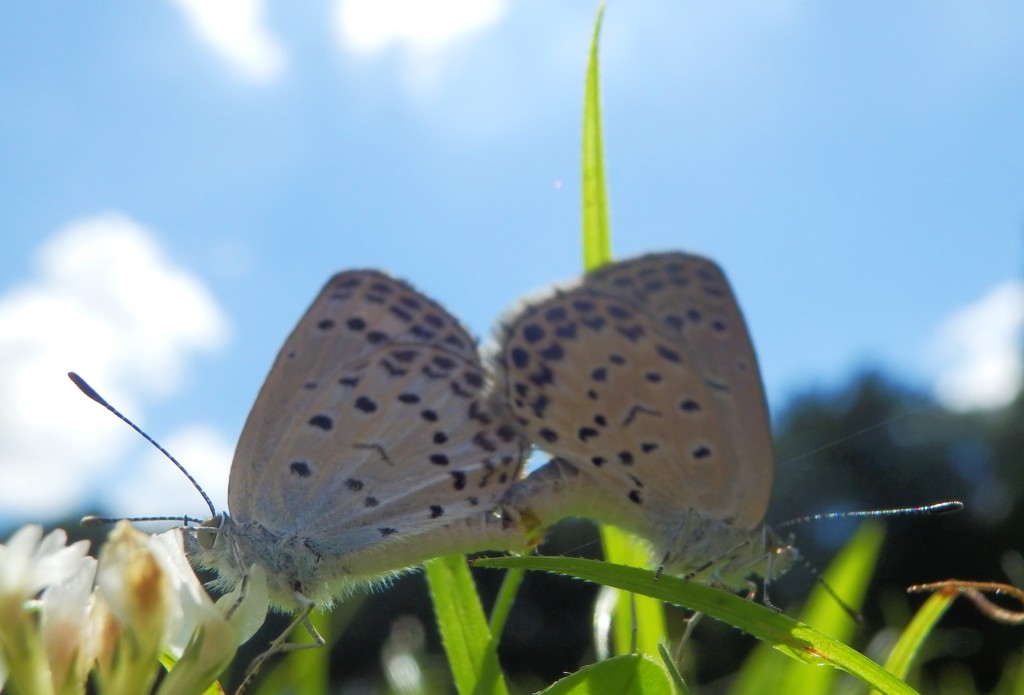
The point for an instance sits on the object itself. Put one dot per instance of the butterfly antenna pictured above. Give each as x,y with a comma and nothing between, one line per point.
854,614
93,520
947,507
91,393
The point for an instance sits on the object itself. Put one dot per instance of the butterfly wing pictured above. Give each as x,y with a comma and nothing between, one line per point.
371,424
605,377
691,298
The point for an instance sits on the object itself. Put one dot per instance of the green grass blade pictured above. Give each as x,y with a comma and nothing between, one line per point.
596,230
503,602
623,549
909,644
472,653
673,670
848,576
793,638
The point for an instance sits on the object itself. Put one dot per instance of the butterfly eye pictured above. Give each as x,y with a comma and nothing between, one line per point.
206,539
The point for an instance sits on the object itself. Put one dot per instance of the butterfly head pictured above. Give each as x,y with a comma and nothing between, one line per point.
206,534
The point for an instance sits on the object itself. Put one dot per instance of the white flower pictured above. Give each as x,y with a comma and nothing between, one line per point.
201,636
29,564
157,605
67,629
63,613
139,597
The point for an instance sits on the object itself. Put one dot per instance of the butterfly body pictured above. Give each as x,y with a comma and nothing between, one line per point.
297,571
642,381
370,448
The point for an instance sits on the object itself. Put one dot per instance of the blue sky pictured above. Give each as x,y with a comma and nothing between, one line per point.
178,182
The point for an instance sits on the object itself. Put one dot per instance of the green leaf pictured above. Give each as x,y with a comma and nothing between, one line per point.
793,638
596,229
632,674
472,652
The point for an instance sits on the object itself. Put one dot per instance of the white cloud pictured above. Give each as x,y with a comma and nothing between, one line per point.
103,301
236,29
368,26
978,350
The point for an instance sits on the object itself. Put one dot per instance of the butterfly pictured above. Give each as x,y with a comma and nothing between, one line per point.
642,382
370,448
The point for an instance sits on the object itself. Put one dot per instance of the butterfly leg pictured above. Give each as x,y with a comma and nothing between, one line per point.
775,551
281,644
691,623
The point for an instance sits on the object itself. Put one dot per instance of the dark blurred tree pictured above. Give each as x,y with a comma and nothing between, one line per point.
875,444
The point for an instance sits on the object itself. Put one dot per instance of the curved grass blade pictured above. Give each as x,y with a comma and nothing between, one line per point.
914,635
793,638
848,576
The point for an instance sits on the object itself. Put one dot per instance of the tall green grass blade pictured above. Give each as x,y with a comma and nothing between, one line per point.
596,231
472,652
638,622
503,603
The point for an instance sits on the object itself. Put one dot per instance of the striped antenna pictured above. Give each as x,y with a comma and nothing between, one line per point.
94,520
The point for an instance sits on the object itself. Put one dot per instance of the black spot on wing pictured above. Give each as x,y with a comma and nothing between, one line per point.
533,333
366,404
321,421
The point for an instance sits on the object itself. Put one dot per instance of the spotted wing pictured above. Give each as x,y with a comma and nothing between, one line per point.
371,423
692,300
603,376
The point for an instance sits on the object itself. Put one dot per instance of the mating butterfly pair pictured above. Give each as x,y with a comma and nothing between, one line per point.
377,442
